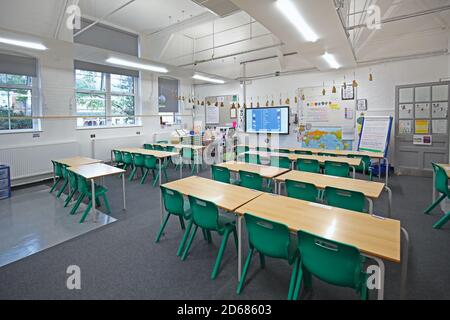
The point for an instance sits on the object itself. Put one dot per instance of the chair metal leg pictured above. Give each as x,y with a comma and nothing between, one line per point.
188,246
185,236
293,278
162,227
77,204
220,255
442,221
86,212
55,184
108,207
434,204
66,182
144,176
69,198
244,272
262,260
183,227
298,282
133,173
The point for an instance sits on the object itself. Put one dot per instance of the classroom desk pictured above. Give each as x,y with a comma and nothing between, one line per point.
352,162
226,196
266,172
179,146
373,155
95,171
376,237
77,161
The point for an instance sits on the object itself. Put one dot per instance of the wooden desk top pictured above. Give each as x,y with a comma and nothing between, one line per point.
96,170
155,153
293,157
180,146
445,166
374,155
370,189
265,171
371,235
77,161
225,196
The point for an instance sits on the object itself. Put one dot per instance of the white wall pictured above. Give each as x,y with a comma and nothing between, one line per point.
380,93
57,98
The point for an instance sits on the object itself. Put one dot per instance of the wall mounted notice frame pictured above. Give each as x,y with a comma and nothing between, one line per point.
375,134
348,93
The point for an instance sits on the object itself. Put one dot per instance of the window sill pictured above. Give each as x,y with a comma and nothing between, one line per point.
20,131
109,127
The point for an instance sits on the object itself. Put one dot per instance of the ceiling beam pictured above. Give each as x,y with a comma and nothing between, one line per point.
187,23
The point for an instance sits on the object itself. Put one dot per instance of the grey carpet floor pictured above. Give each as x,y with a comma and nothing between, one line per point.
121,260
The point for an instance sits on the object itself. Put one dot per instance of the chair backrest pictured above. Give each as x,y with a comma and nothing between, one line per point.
150,162
326,154
305,152
282,150
64,171
204,213
162,141
187,153
441,179
148,146
173,201
138,159
330,261
270,238
158,147
221,174
118,156
301,190
345,199
57,168
365,161
308,165
171,149
83,186
252,158
72,179
263,149
242,149
127,158
280,162
251,180
338,169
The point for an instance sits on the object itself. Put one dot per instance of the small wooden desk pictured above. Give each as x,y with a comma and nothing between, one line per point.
352,162
77,161
95,171
376,237
196,148
371,190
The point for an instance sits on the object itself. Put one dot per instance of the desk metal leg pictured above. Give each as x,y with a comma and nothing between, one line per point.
160,193
181,167
198,165
94,209
370,205
382,272
387,170
389,191
354,172
404,272
123,193
239,231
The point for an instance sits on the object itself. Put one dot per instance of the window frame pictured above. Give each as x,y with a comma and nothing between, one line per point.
108,93
34,89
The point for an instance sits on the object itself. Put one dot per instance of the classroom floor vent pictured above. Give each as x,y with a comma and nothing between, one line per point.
222,8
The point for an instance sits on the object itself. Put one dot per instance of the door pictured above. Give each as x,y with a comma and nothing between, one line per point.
421,112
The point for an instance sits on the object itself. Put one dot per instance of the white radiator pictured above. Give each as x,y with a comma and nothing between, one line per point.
101,148
27,161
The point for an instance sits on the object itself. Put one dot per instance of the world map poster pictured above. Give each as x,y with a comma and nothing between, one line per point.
326,138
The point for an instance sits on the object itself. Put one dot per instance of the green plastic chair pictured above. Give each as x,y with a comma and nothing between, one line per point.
57,168
262,149
365,166
280,162
73,187
85,190
65,181
220,174
127,160
150,163
189,156
148,146
252,181
242,149
175,205
252,158
332,262
308,165
158,147
205,215
337,169
272,239
304,152
345,199
302,191
118,159
441,185
326,154
282,150
138,162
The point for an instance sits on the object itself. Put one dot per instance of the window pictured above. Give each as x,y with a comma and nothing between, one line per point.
16,102
105,99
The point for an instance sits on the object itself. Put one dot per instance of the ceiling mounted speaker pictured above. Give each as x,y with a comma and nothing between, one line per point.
221,8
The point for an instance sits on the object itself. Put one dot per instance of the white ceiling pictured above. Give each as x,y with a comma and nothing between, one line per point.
238,38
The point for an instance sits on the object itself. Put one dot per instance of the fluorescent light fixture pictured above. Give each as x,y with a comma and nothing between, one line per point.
331,60
207,79
136,65
291,13
25,44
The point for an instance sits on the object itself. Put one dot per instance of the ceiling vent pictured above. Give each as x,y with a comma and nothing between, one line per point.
222,8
